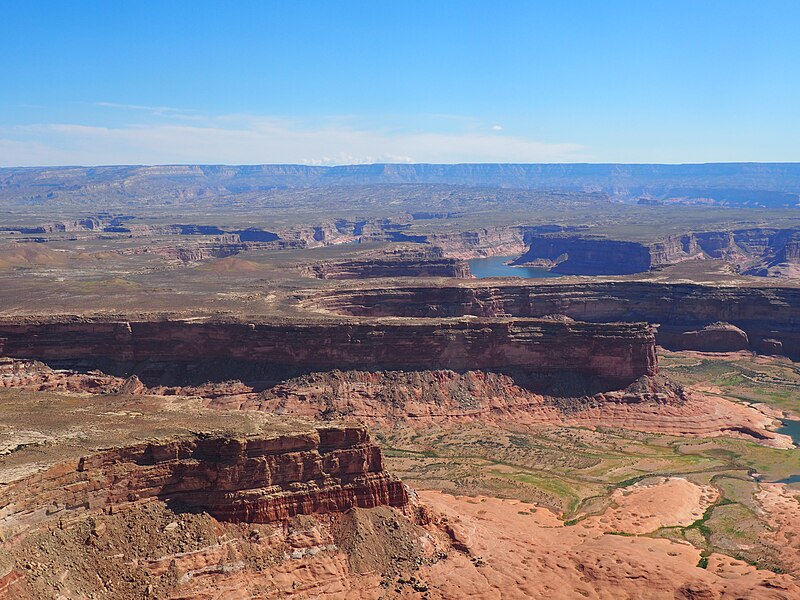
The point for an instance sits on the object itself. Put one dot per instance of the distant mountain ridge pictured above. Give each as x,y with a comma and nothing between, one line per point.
733,182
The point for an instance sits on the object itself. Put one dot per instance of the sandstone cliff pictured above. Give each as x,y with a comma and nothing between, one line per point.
196,350
576,255
117,496
256,479
490,241
768,316
757,251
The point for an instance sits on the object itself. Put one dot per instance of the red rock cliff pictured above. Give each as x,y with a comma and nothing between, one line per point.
767,315
613,351
257,479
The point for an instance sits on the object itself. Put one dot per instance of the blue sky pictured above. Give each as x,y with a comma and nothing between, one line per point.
348,82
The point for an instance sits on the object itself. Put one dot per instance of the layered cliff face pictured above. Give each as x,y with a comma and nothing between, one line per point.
614,353
490,241
768,316
217,247
257,479
399,260
580,255
755,251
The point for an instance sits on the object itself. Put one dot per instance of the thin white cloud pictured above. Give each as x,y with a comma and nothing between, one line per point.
158,111
497,128
237,139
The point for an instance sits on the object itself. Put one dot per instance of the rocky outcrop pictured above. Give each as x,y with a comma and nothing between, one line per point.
373,268
448,399
255,479
217,247
396,260
757,251
575,255
618,352
424,398
717,337
769,316
443,397
35,375
93,223
490,241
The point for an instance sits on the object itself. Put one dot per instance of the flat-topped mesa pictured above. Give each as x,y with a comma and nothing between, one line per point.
255,479
614,352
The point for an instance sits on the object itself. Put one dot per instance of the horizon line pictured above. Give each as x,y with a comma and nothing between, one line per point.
399,164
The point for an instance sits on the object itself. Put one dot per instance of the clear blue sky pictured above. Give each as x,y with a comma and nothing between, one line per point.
102,82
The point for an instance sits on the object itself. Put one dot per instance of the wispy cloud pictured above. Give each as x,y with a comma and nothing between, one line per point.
158,111
246,139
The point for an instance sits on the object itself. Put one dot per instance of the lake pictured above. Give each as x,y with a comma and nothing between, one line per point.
792,429
494,267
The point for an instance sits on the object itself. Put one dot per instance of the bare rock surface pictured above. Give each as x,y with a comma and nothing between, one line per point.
511,549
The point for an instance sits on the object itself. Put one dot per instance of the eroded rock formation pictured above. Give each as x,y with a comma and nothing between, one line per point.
154,497
716,337
764,318
615,353
757,251
376,267
443,398
255,479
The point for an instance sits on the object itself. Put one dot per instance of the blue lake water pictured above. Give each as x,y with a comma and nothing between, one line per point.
495,267
791,428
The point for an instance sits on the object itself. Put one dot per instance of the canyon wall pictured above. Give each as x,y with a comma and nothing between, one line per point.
490,241
256,479
575,255
754,251
619,352
768,316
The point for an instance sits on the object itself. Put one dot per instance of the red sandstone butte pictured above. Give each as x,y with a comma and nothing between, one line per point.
258,478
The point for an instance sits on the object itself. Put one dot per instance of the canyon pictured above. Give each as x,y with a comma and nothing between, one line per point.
761,318
561,247
285,381
165,496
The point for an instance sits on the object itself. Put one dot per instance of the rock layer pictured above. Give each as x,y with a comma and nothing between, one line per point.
758,251
614,353
768,316
256,479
